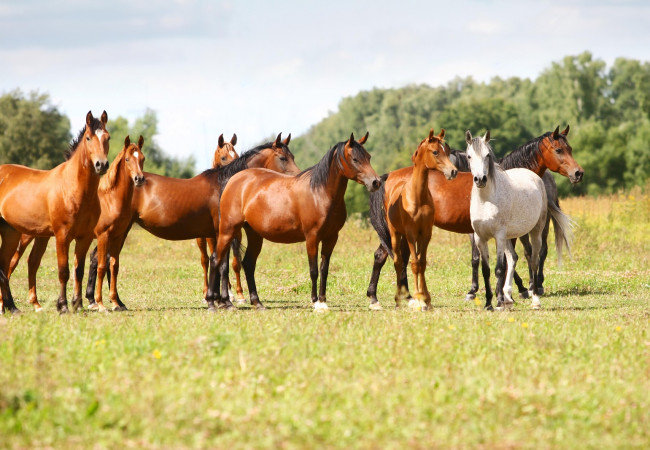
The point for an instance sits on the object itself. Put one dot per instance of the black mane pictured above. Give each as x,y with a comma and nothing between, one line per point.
524,156
319,173
224,173
459,159
96,124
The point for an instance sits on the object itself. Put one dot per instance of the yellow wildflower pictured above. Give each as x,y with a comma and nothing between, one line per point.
157,354
511,319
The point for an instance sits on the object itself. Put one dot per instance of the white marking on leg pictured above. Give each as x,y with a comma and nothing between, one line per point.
536,303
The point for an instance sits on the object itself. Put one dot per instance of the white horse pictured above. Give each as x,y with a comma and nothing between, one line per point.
505,205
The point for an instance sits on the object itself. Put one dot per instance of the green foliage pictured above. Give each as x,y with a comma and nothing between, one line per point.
608,110
32,131
157,160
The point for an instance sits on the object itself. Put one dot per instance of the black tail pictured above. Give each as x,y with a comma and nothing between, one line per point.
378,216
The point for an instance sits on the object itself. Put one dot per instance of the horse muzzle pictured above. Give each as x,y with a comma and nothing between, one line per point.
451,174
373,185
480,182
576,177
101,167
138,180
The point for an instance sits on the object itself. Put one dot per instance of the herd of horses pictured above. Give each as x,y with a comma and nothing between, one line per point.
264,193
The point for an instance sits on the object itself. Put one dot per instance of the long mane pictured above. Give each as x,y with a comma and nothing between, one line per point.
524,156
74,144
109,180
319,173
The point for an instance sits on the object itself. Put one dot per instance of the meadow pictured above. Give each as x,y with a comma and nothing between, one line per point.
168,374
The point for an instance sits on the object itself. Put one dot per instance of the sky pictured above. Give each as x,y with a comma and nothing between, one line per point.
257,68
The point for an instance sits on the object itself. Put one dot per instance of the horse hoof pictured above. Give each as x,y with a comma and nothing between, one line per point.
205,300
320,306
15,311
470,296
241,300
524,294
93,307
38,308
536,304
540,291
375,307
489,308
64,310
260,307
119,308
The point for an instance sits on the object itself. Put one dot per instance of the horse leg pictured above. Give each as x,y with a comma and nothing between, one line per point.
62,253
536,242
523,291
236,267
327,247
419,264
511,264
80,250
10,240
205,263
311,243
92,278
381,254
25,239
100,265
249,262
485,268
406,255
500,270
543,253
33,263
476,260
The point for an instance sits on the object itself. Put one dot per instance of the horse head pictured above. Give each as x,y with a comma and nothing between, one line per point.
433,153
134,160
558,155
281,159
480,157
95,139
225,152
355,163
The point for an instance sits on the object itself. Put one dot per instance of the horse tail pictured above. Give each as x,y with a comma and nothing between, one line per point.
378,216
563,226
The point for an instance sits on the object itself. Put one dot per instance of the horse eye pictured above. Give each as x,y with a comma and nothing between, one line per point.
435,153
283,158
469,157
87,138
558,150
355,160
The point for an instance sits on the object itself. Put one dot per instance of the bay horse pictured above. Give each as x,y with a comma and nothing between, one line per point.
224,154
409,210
179,209
452,198
115,193
308,207
61,202
507,204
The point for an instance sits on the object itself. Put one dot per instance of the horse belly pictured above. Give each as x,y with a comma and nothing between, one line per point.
178,230
27,213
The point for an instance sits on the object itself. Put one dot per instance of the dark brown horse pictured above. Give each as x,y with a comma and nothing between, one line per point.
409,212
452,198
309,207
223,155
178,209
61,202
115,193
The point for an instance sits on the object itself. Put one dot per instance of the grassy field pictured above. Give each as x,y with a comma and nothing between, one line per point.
168,374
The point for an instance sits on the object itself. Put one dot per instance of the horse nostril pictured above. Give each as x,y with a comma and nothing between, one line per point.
454,172
376,184
475,179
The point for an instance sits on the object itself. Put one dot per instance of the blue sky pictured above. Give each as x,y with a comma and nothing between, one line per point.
256,68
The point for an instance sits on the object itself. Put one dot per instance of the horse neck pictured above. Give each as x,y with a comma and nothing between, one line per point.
491,190
337,183
123,187
417,190
80,168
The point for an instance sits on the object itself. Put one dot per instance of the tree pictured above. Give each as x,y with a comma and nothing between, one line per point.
32,131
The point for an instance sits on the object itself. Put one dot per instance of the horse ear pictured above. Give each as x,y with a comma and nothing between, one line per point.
104,118
441,135
431,135
278,140
287,140
89,119
556,132
140,142
468,137
566,130
220,141
351,141
233,141
365,138
486,136
127,141
415,154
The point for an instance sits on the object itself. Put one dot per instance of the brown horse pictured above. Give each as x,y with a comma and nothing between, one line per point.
309,207
179,209
223,155
61,202
451,199
409,211
115,192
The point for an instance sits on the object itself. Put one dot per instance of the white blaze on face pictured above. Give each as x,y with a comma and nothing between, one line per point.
136,155
99,133
232,154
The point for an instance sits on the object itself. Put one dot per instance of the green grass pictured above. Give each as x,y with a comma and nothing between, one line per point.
168,374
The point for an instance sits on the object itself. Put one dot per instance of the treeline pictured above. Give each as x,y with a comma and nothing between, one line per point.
608,110
35,134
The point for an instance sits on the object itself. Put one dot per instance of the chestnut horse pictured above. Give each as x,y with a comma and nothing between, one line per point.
309,207
223,155
409,210
179,209
115,192
451,199
61,202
